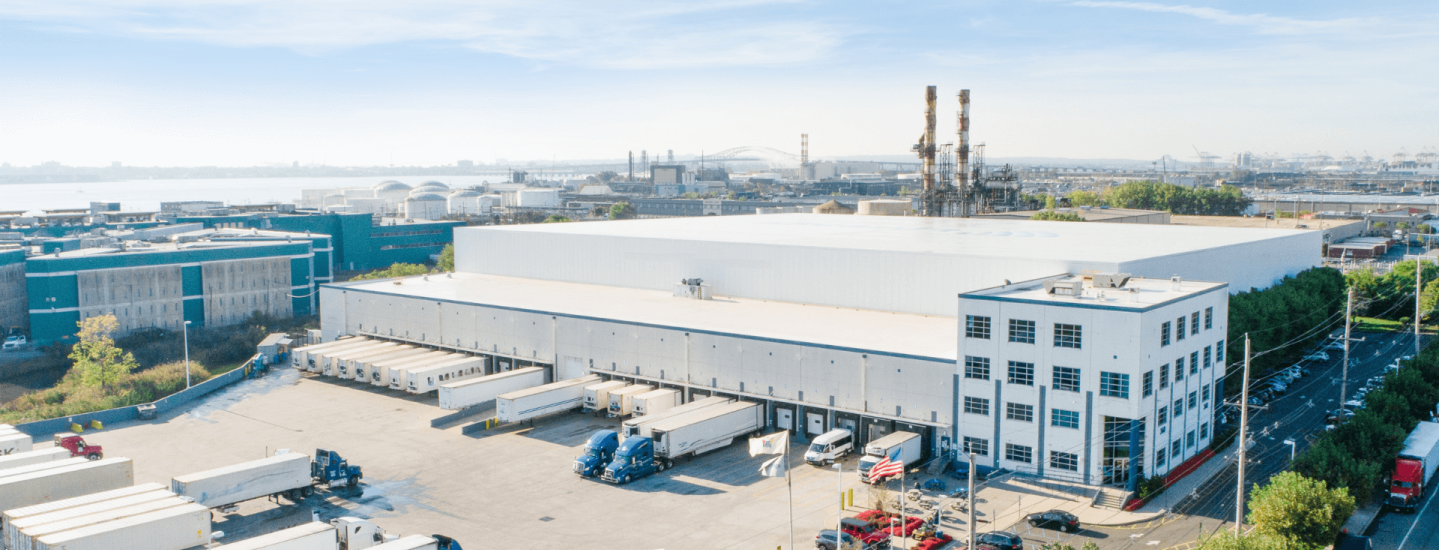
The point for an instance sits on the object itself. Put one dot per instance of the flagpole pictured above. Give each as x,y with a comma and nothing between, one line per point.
788,480
902,542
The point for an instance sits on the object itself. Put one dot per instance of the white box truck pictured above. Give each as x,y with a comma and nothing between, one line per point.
622,401
73,480
362,367
14,528
12,442
315,535
177,528
542,400
655,401
27,536
597,396
639,426
8,517
16,460
429,379
380,370
478,391
280,474
910,445
344,364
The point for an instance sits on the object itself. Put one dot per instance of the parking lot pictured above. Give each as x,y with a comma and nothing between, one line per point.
509,488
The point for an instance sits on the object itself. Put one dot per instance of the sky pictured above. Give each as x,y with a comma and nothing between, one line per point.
427,82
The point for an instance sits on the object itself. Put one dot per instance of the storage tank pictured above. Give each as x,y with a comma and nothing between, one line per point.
393,194
538,198
465,201
426,206
885,207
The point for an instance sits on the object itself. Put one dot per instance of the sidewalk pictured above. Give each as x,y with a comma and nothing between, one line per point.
1171,496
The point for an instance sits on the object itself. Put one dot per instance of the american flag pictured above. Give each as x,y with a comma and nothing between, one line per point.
887,466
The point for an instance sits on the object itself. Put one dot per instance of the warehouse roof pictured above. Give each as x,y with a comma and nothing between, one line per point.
1132,294
972,237
930,337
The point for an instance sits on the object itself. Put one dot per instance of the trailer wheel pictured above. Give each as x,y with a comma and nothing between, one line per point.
659,466
305,492
293,495
354,481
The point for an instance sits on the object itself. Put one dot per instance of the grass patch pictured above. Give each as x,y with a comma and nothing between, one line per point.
1373,324
71,397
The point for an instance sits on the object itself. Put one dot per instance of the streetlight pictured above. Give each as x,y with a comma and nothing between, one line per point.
839,518
1290,443
185,329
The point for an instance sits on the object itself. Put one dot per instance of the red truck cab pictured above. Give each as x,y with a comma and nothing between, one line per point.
1414,468
77,447
1407,485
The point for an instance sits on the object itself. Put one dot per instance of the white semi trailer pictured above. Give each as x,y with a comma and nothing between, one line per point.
315,535
706,430
639,426
27,538
542,400
340,365
12,442
622,401
16,460
38,467
429,378
306,358
28,524
597,396
11,516
412,542
655,401
379,372
280,474
331,363
73,480
360,367
478,391
177,528
320,360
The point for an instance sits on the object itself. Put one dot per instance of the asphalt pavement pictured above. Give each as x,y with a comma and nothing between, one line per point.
1297,415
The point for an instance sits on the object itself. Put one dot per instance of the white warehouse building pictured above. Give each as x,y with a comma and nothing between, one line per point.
830,321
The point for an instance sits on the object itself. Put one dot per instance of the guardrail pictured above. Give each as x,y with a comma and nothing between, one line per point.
44,428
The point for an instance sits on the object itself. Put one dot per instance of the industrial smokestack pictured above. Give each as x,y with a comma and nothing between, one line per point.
926,143
632,166
962,165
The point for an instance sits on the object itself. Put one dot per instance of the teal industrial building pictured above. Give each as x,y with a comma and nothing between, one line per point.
13,301
360,244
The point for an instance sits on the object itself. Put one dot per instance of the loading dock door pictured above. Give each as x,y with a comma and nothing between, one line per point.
814,423
784,418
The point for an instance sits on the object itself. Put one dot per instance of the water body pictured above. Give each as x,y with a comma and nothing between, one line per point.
146,195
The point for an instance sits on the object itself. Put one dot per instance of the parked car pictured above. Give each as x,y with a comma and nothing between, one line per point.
867,533
825,540
1001,540
1317,356
1335,345
1334,416
14,342
1276,386
1054,519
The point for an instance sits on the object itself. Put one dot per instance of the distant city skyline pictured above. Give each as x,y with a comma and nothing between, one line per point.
251,82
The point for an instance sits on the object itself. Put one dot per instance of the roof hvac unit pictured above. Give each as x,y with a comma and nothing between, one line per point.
1110,280
1072,287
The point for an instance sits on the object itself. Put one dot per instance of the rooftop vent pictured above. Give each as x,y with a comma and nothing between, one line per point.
1175,286
692,288
1073,287
1110,280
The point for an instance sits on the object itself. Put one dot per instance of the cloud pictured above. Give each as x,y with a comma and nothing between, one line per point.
1264,23
596,33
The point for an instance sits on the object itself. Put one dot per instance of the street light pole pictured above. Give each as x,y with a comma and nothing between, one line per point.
186,331
1291,444
972,501
839,517
1243,439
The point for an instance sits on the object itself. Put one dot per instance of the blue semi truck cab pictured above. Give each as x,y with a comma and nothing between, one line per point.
599,451
329,469
634,459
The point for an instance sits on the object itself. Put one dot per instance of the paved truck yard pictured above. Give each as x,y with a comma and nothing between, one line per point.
510,487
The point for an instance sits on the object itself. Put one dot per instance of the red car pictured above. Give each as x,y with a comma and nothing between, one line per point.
864,531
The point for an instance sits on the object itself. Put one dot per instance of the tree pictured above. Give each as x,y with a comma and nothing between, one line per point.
99,361
622,211
1053,216
1086,198
396,270
1225,540
447,259
556,218
1303,510
606,176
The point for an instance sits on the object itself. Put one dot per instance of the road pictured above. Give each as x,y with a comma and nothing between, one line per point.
1299,414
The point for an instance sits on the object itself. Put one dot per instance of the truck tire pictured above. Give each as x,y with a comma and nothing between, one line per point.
94,456
627,478
294,495
307,491
354,481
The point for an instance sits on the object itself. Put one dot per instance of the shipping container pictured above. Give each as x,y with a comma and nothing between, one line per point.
244,481
597,396
26,537
622,401
50,454
542,400
429,379
360,367
12,529
92,476
178,528
479,391
640,426
308,536
379,371
655,401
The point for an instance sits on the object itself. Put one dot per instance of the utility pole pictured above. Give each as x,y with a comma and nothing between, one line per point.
1418,291
1344,377
972,501
1243,440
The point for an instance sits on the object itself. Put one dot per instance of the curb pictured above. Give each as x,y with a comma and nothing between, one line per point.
1159,517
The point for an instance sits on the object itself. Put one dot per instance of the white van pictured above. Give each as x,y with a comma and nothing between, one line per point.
829,447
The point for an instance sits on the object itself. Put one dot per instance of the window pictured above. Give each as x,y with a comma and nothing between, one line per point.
1179,329
976,405
1064,419
976,326
1021,332
1193,399
1113,384
1020,412
1018,453
1068,336
1021,373
1194,363
1178,370
1149,383
1159,458
1194,323
1064,461
976,446
1208,360
1164,334
1219,351
1176,449
1163,416
1066,378
1164,376
1205,395
976,367
1208,318
1204,431
1189,440
1178,407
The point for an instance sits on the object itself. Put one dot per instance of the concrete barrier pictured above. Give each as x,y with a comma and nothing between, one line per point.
44,428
